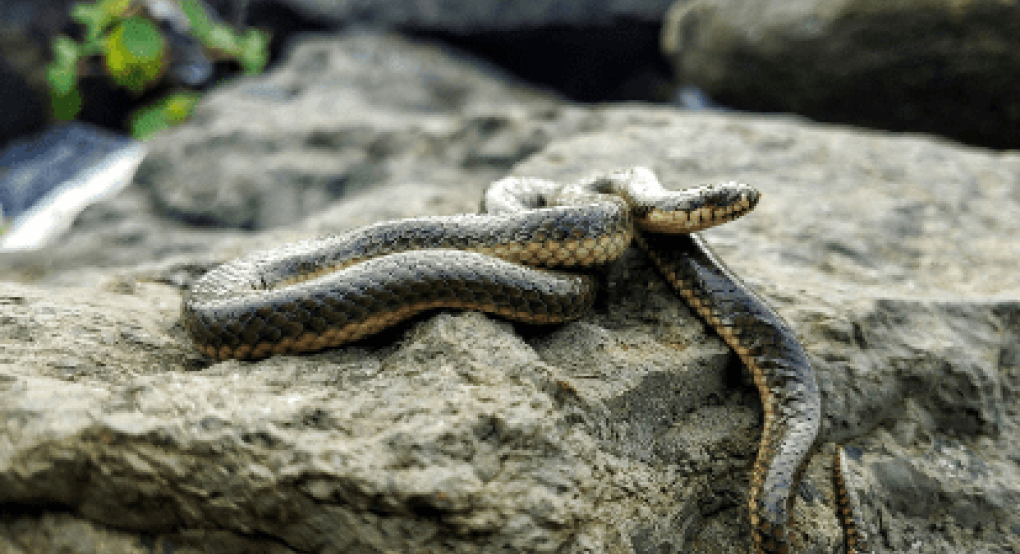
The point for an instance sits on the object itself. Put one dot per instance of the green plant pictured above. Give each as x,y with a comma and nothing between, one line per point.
133,53
169,111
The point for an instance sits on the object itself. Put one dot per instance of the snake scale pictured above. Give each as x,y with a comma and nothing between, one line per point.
509,261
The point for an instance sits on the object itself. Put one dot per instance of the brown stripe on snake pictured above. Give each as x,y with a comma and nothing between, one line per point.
848,507
779,366
328,292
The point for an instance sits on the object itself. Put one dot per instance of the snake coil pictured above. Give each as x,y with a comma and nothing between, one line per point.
327,292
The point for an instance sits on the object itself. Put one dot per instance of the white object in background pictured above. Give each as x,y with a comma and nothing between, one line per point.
77,165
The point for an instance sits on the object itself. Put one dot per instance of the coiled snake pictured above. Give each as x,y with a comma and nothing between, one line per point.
327,292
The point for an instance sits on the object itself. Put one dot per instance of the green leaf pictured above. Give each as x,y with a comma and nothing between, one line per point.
179,106
134,53
197,18
148,121
141,38
93,17
61,78
62,72
66,106
170,111
254,53
92,48
65,50
222,38
114,8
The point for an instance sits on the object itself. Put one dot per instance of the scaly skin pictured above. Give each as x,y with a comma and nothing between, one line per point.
327,292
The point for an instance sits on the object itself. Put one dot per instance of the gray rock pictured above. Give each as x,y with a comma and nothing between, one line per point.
385,111
631,430
932,66
476,15
588,50
905,297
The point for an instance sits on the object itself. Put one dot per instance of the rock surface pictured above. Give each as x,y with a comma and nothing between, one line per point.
922,65
395,110
632,430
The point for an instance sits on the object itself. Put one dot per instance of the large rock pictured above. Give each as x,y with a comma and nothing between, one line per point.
631,430
340,116
470,16
588,50
924,65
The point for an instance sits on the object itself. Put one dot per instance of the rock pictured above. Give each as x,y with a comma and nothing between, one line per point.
631,430
587,50
465,16
925,65
385,111
903,295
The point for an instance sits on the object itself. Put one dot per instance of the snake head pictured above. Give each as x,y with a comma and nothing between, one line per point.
694,209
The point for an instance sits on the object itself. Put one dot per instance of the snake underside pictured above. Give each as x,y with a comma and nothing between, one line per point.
328,292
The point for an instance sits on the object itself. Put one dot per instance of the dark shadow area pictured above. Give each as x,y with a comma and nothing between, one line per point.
593,64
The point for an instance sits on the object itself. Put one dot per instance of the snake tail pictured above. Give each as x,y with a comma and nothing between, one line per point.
848,508
780,368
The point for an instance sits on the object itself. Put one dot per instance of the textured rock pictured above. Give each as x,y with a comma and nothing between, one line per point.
385,111
922,65
631,430
904,296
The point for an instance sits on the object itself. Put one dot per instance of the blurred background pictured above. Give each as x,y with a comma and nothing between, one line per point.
82,84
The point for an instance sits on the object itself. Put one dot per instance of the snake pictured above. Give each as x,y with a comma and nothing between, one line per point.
523,259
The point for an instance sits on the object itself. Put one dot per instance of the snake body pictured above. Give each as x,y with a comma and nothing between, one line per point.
778,364
327,292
